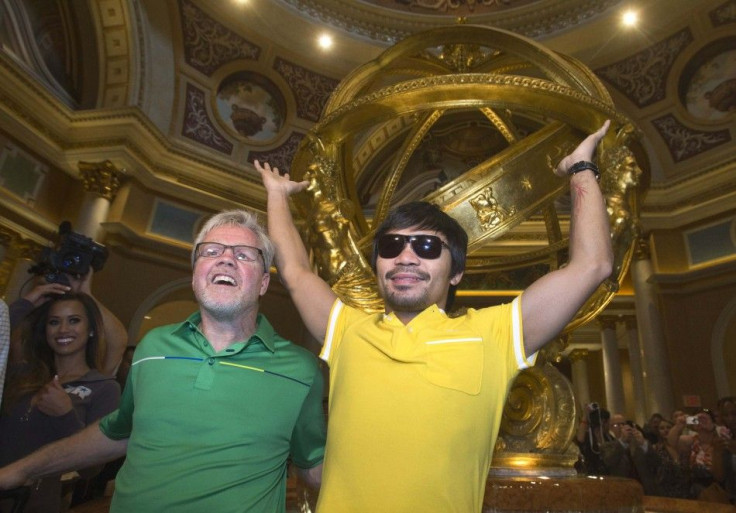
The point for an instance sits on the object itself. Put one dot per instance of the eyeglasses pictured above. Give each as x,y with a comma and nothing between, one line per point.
625,423
241,252
424,246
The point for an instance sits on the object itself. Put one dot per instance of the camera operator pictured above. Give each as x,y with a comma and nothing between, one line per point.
54,388
68,268
592,432
116,336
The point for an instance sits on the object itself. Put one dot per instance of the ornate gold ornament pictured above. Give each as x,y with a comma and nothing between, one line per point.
518,109
538,422
101,178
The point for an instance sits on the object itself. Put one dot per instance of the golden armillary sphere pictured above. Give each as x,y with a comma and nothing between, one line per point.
475,120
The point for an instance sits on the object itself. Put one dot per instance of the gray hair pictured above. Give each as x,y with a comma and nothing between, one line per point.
244,219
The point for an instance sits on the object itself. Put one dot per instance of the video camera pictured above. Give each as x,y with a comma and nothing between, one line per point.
597,415
73,254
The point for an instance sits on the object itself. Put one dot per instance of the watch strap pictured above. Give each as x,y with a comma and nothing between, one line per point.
582,166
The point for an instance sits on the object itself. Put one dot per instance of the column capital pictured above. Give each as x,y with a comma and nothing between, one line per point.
642,251
607,322
101,178
577,355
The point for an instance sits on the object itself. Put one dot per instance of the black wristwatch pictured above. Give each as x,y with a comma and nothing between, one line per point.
582,166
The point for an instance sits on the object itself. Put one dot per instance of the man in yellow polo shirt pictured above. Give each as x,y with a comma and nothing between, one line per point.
416,397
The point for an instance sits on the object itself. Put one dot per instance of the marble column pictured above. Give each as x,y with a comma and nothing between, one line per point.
580,384
101,182
637,376
612,366
655,360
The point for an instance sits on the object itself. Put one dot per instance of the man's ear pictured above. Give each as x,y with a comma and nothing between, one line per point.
456,279
264,283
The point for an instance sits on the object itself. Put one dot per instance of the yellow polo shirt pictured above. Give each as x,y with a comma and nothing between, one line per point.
415,409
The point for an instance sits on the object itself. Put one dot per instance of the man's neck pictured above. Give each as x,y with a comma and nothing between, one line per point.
222,333
407,317
404,317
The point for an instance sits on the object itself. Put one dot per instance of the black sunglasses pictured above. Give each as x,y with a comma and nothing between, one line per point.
424,246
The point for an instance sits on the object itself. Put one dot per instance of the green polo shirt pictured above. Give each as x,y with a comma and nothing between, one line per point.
212,431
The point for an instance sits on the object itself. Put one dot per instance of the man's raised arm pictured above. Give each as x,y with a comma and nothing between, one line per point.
312,296
552,301
116,336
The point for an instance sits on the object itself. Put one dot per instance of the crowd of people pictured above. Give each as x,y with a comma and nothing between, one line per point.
686,456
215,409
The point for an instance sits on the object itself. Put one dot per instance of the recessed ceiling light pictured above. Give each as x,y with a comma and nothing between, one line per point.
325,41
630,18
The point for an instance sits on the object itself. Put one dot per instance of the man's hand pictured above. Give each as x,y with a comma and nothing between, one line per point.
584,151
52,399
274,181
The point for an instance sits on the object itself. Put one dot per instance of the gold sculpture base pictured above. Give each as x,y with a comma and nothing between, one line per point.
543,493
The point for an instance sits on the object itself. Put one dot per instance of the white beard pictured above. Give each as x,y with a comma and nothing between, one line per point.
222,307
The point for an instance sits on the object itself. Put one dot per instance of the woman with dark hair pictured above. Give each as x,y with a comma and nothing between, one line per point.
702,452
671,476
53,388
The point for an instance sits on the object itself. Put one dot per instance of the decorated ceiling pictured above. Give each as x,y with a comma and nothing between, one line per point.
207,87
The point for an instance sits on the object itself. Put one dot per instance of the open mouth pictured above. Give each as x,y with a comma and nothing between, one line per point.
64,341
222,279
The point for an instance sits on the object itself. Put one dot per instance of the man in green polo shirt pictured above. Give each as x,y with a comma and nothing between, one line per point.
214,407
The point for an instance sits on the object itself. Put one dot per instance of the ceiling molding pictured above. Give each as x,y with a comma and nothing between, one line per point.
385,25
